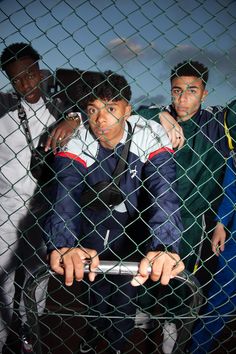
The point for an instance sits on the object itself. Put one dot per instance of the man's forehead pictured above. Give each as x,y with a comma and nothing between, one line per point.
103,101
107,102
25,64
187,81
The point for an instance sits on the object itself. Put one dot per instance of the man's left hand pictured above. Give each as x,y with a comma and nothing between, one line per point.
164,266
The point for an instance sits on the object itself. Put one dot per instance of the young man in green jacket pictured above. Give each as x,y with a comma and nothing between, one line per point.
200,162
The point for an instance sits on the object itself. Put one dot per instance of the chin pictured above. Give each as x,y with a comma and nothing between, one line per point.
32,97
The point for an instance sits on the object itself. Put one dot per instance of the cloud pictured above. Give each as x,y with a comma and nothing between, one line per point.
221,62
123,50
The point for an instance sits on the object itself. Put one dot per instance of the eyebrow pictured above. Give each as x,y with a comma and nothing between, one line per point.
188,87
105,104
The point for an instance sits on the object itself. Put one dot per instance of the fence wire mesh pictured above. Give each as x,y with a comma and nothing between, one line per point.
143,40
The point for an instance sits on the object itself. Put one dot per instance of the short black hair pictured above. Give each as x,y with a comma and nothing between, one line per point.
16,51
190,68
105,86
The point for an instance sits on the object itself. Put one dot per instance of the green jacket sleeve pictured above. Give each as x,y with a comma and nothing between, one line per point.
150,113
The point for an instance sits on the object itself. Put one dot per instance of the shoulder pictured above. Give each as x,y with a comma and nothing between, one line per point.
148,135
55,106
9,99
150,112
8,102
211,116
143,126
212,110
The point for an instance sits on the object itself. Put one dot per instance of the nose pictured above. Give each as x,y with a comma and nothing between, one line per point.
25,84
101,115
183,96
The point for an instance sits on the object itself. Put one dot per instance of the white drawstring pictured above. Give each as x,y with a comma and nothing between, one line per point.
106,239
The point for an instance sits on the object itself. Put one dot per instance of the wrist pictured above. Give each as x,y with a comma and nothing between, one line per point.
73,117
219,225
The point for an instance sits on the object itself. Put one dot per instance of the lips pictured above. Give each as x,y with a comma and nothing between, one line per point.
102,130
182,108
29,95
32,97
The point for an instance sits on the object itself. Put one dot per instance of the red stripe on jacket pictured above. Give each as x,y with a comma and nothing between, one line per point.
163,149
71,156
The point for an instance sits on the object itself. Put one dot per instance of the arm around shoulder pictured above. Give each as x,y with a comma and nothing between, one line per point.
169,123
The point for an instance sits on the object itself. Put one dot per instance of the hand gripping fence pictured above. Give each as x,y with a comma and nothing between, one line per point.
112,268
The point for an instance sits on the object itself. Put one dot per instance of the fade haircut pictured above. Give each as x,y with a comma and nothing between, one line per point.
107,86
190,68
16,51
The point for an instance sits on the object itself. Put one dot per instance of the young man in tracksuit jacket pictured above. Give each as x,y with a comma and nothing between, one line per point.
18,186
75,232
200,162
221,297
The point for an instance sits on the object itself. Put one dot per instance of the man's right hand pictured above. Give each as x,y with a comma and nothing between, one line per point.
70,263
218,239
61,134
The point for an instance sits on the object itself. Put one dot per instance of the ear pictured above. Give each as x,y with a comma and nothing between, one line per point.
128,110
41,75
205,93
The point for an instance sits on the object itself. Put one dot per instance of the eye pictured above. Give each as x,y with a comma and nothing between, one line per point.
30,76
193,91
176,92
91,111
111,109
15,81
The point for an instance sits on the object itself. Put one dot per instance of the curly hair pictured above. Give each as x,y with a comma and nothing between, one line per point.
190,68
16,51
106,85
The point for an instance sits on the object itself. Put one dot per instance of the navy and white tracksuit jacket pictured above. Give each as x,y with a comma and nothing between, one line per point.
84,161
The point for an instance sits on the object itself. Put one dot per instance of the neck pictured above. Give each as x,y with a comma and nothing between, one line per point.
184,119
111,144
187,117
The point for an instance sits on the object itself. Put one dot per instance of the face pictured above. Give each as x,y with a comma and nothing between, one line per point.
187,94
107,120
25,77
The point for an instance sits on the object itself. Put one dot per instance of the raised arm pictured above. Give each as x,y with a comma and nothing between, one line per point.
62,133
173,129
169,123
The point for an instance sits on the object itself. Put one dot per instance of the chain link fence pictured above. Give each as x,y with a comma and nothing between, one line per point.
142,40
